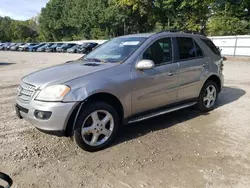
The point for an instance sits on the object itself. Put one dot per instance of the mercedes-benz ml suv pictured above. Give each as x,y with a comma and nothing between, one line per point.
127,79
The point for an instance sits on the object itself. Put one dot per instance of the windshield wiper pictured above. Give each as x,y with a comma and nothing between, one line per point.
96,60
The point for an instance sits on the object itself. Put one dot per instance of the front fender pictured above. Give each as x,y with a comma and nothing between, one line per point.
82,92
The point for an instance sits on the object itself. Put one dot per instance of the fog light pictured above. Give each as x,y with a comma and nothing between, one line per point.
42,114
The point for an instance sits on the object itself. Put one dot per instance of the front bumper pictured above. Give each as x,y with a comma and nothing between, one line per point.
57,122
49,50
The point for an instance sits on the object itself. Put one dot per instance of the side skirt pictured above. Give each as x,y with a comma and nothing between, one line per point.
161,111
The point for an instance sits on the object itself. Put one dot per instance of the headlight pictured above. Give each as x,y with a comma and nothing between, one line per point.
53,93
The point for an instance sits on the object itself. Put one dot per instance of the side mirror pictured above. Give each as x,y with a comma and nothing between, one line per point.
145,64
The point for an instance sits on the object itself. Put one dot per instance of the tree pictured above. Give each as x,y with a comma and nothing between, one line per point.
13,30
229,18
103,19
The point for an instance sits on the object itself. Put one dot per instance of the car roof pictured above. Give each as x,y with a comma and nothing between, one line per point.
147,35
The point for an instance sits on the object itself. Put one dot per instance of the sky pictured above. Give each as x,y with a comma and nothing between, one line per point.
21,9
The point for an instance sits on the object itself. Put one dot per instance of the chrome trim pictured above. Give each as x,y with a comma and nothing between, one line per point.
25,92
162,112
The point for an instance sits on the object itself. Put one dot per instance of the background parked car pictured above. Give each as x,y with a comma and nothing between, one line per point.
43,48
16,46
2,47
86,47
26,46
64,47
73,49
20,47
34,48
53,47
9,46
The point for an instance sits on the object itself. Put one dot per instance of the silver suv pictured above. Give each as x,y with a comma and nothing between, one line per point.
128,79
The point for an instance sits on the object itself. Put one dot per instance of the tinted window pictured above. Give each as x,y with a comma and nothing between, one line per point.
211,45
186,48
199,52
159,52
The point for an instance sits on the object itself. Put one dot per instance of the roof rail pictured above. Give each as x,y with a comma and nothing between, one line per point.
169,31
183,31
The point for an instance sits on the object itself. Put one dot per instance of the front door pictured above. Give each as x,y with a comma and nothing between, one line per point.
158,86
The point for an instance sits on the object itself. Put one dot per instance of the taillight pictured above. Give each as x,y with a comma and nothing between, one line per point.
221,66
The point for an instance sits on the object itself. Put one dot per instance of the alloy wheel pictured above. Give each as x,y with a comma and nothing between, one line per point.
210,96
97,128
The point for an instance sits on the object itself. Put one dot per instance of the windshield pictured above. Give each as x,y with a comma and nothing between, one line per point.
54,45
116,50
63,45
48,45
74,47
84,44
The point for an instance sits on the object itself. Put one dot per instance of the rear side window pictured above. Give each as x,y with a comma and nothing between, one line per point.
199,52
211,45
188,48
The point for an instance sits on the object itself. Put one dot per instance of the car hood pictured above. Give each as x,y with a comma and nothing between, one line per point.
63,73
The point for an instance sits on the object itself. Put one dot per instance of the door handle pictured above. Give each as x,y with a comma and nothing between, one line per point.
171,73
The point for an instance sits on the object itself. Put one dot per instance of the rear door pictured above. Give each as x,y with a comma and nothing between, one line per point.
192,65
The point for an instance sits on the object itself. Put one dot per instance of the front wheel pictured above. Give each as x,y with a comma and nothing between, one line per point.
96,126
208,96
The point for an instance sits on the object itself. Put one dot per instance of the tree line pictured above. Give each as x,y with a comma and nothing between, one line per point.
103,19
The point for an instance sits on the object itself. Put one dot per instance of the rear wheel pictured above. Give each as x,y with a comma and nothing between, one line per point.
96,126
208,96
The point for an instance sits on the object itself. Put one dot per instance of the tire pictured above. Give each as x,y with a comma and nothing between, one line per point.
106,131
202,103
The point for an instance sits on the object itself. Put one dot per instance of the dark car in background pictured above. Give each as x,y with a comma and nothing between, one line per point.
86,47
34,48
73,49
16,46
44,47
53,47
26,46
64,47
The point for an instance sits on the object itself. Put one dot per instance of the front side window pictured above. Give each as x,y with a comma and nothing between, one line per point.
160,52
115,50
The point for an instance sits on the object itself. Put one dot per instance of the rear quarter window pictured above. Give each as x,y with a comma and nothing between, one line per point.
211,45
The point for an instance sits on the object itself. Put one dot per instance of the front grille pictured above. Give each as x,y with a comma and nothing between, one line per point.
25,92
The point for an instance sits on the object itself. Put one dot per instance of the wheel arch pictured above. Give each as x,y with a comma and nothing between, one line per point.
214,78
103,97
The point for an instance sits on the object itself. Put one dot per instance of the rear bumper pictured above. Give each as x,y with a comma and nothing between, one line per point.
56,123
222,82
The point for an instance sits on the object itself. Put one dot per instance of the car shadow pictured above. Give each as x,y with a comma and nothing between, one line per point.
5,63
132,131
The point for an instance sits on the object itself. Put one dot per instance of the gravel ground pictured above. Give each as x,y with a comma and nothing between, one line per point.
181,149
